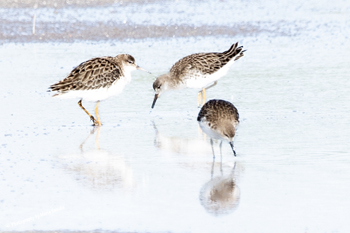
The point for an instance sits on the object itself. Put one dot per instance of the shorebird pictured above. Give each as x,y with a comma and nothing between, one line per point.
96,80
197,71
219,120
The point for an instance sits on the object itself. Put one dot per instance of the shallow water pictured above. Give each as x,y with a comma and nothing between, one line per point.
153,172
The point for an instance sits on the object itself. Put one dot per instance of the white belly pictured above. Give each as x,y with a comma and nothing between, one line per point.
214,134
198,80
97,94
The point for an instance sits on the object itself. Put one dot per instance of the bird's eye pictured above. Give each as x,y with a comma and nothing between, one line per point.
158,87
131,62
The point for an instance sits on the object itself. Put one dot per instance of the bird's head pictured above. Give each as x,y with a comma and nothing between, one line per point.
160,85
128,62
228,131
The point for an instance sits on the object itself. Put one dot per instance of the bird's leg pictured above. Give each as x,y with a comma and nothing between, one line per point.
91,117
212,148
199,99
221,158
98,122
204,93
204,96
216,82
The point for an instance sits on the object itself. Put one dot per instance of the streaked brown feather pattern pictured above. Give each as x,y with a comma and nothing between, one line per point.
95,73
205,63
216,111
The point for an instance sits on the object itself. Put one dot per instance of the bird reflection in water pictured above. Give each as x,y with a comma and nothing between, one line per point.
220,195
97,168
189,146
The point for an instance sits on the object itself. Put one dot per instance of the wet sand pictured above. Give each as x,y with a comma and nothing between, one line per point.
79,31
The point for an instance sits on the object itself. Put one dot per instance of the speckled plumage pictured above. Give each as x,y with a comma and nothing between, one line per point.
216,111
197,71
219,119
96,79
100,72
204,63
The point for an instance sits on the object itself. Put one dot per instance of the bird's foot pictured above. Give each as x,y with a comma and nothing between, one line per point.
95,122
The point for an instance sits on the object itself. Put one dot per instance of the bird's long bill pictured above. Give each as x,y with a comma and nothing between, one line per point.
140,68
155,100
234,152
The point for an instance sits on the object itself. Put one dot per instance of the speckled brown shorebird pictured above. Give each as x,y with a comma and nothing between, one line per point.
96,80
197,71
219,120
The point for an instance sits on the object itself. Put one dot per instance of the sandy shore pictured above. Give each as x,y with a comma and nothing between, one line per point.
17,31
67,21
62,3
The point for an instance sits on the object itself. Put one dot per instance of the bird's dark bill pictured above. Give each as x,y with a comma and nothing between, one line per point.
155,100
234,152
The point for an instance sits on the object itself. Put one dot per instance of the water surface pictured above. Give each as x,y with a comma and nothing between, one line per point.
154,172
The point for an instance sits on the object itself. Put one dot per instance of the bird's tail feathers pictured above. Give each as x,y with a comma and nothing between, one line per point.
235,52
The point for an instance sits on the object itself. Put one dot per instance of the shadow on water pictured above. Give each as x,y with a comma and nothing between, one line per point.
97,168
220,195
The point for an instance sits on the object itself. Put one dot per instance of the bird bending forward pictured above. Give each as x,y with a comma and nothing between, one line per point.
219,120
197,71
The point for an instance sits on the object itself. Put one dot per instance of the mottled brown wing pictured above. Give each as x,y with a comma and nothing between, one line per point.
206,63
92,74
215,109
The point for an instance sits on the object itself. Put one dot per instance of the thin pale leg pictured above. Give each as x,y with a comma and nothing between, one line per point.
221,158
97,116
204,96
199,99
91,117
216,82
212,167
212,148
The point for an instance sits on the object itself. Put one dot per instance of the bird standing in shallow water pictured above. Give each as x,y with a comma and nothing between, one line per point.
219,120
96,80
197,71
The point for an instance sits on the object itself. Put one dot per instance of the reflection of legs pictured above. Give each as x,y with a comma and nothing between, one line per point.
91,117
97,136
234,167
212,168
91,133
156,139
97,116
